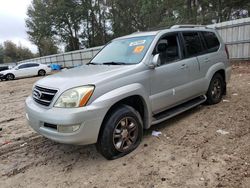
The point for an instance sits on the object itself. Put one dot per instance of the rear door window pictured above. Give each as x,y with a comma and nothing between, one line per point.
33,65
211,41
192,43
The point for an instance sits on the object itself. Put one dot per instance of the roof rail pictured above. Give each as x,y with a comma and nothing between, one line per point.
188,26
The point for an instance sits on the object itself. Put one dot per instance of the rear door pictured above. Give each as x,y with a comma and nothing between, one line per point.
22,70
32,70
193,48
210,56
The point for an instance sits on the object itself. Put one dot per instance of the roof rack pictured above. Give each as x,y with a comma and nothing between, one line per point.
189,26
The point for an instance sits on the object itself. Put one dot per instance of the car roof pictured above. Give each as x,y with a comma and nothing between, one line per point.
140,34
28,63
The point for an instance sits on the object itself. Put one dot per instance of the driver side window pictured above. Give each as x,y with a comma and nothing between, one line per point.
168,49
23,66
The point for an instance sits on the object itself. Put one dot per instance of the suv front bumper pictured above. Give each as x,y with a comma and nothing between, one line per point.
89,118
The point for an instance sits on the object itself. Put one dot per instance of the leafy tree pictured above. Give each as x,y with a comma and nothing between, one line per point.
10,52
13,53
95,22
40,29
23,53
88,23
66,19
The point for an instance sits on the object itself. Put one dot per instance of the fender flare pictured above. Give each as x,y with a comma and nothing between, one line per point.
212,70
123,92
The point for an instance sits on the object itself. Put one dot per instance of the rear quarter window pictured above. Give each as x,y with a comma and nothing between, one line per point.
211,41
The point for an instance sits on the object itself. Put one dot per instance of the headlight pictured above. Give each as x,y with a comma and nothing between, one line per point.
75,97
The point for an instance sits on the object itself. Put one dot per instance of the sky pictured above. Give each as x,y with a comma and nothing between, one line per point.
12,22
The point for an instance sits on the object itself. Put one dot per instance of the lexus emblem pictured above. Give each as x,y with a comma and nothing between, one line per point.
38,94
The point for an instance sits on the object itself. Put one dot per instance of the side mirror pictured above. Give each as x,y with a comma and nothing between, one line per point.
155,62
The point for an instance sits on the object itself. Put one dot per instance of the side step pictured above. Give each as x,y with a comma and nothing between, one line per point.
162,116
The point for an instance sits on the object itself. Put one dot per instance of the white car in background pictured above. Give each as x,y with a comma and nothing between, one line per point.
25,70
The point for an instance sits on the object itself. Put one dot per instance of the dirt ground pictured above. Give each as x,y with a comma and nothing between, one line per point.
189,153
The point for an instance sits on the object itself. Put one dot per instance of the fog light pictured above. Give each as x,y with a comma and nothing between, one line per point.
67,128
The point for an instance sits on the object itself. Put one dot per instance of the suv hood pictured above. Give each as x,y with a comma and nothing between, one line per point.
84,75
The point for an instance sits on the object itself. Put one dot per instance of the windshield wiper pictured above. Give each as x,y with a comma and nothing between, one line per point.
114,63
93,63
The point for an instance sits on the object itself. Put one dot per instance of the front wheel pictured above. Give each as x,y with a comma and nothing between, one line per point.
10,77
215,90
122,133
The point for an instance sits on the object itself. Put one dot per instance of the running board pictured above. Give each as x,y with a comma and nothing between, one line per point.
162,116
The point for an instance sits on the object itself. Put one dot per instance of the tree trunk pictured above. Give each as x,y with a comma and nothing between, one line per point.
219,19
189,10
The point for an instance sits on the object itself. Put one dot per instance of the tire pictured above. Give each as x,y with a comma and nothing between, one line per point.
41,73
10,77
215,90
118,137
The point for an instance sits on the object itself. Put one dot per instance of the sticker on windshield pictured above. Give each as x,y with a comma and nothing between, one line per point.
138,49
139,42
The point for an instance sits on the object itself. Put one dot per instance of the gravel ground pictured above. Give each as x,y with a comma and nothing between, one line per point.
189,153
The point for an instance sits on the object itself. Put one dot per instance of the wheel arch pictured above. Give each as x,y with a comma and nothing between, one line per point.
10,73
135,101
41,69
218,68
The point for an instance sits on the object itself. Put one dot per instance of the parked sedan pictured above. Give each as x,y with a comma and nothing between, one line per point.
3,68
25,70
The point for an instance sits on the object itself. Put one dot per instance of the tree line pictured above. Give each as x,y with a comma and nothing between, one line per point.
12,53
87,23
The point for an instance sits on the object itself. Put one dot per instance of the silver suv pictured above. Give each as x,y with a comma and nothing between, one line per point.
134,82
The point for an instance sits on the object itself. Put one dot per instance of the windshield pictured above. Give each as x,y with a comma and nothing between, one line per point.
124,51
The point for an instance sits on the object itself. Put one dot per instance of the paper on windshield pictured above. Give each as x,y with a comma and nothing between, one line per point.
139,42
138,49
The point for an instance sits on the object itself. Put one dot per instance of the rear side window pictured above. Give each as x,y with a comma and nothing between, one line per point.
33,65
192,43
211,41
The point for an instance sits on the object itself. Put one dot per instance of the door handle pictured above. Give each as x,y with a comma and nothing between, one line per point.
183,66
206,60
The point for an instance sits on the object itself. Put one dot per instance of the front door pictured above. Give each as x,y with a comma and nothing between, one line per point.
169,79
22,70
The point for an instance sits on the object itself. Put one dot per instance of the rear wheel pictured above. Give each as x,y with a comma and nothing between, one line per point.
41,73
10,77
122,133
215,90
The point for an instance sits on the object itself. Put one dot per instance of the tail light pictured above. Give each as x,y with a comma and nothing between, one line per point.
226,49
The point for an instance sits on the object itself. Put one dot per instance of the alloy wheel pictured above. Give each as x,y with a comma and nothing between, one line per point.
216,89
125,134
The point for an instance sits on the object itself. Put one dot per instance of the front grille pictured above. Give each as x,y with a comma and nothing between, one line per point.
43,96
